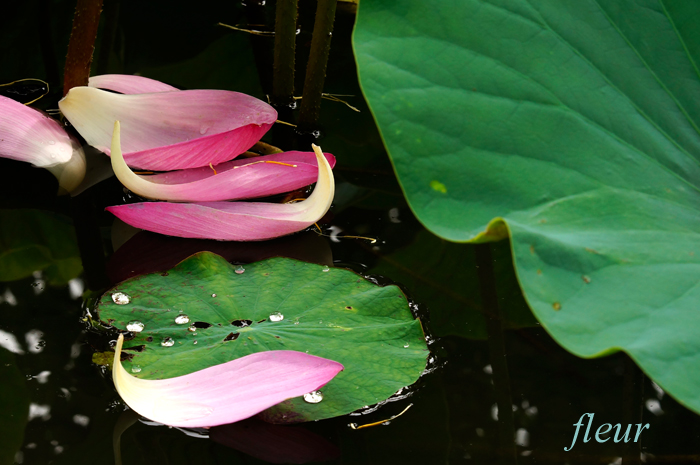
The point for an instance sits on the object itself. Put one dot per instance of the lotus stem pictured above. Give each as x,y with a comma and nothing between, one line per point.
82,44
285,46
316,68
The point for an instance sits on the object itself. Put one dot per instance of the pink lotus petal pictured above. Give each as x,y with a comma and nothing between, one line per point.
31,136
238,179
170,130
230,221
223,393
129,84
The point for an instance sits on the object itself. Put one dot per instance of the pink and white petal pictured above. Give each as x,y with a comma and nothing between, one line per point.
170,130
129,84
223,393
234,221
210,149
29,135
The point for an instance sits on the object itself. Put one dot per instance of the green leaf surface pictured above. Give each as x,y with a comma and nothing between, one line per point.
32,240
573,126
328,312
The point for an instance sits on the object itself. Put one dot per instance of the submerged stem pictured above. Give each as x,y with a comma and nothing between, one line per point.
316,68
285,46
82,44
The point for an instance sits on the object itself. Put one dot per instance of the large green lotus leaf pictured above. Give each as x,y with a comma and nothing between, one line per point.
32,240
572,126
328,312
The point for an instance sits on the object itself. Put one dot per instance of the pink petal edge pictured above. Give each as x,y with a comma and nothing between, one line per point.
129,84
225,393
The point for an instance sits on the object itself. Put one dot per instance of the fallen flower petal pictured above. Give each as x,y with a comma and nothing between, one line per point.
223,393
238,179
129,84
231,221
170,130
29,135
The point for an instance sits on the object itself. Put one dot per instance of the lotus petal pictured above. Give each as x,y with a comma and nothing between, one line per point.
238,179
170,130
232,221
129,84
224,393
29,135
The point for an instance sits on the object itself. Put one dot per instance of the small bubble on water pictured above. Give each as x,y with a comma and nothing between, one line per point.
239,270
168,342
325,269
277,316
182,319
136,369
120,298
135,326
313,397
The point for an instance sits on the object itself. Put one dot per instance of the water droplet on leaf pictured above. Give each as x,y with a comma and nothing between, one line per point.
313,397
182,319
277,316
239,270
168,342
135,326
135,369
120,298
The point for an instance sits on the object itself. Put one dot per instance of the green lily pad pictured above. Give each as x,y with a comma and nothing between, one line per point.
573,127
205,312
32,240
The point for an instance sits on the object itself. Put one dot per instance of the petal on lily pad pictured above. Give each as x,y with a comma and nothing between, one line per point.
233,221
223,393
29,135
170,130
237,179
129,84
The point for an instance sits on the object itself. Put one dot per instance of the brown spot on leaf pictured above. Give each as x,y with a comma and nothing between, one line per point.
586,279
539,271
556,306
592,251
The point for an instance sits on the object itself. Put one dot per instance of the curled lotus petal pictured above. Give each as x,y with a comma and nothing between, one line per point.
238,179
232,221
223,393
29,135
170,130
129,84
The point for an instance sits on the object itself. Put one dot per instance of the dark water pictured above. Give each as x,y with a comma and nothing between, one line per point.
76,417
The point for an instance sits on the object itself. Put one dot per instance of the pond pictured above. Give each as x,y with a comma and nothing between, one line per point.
496,387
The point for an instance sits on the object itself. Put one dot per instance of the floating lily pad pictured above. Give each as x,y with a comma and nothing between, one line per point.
573,127
205,312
